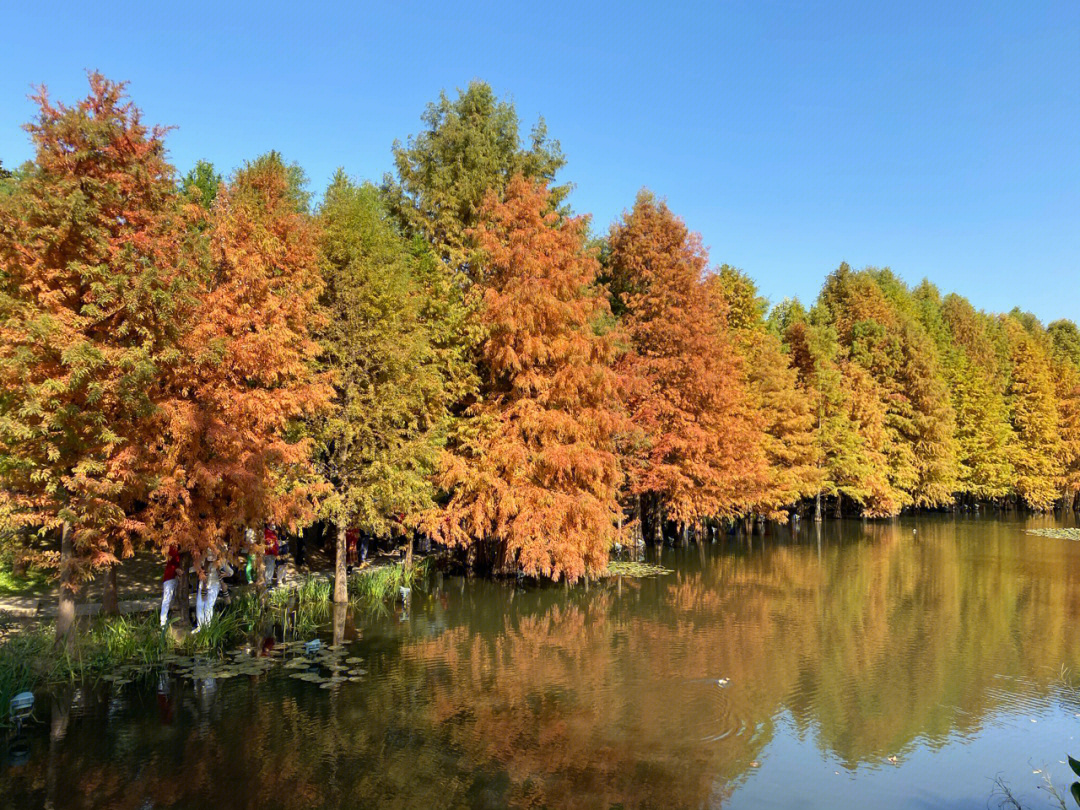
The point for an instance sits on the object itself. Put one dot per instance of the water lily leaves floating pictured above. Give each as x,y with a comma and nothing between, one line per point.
1057,534
353,660
618,568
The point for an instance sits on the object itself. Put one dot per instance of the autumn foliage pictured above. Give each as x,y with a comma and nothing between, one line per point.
90,257
231,453
699,452
534,470
452,353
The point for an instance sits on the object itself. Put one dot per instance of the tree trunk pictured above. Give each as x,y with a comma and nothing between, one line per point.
817,507
338,619
408,554
839,505
341,589
65,616
110,601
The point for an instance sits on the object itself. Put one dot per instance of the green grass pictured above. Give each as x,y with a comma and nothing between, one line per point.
380,585
32,583
25,662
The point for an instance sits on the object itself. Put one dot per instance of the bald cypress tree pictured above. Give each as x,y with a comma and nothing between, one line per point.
532,473
977,381
91,304
470,145
792,471
1037,449
379,443
683,381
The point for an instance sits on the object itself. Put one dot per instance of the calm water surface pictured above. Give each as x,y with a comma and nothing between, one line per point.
844,646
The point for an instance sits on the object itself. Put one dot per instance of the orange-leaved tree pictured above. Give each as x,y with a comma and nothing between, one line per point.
533,475
91,291
682,379
232,451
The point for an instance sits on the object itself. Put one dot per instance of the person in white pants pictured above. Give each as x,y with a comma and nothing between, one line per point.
168,584
200,601
209,587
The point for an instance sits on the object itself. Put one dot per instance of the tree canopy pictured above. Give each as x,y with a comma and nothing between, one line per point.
451,353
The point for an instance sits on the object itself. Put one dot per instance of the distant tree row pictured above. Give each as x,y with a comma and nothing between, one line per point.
452,352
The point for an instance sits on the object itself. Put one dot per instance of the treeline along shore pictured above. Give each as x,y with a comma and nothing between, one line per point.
452,353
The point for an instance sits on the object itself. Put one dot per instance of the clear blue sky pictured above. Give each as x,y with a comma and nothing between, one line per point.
939,138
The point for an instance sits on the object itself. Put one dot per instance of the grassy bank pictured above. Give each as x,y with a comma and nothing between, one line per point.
127,646
32,582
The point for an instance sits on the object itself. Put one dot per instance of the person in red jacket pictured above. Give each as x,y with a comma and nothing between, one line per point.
270,552
352,537
168,583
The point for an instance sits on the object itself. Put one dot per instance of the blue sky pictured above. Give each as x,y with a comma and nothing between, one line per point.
940,139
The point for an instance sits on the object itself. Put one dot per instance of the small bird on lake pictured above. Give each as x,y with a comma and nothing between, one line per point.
722,682
893,759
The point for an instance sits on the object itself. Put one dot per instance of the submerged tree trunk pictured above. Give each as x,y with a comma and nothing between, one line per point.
110,601
65,616
341,590
339,614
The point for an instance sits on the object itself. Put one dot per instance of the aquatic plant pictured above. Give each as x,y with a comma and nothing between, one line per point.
126,639
617,568
376,586
1057,534
23,660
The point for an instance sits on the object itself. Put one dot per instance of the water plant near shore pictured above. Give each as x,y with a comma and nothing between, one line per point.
120,647
373,586
619,568
1057,534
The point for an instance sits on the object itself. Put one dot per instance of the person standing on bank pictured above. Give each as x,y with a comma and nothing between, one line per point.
270,552
168,583
209,587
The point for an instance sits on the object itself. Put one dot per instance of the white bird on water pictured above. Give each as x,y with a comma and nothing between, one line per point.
722,682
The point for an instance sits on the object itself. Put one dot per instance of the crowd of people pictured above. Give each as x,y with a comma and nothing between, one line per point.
261,562
209,578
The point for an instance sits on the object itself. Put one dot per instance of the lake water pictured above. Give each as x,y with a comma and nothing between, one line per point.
842,646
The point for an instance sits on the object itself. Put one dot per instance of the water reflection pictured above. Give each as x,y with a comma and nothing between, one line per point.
839,647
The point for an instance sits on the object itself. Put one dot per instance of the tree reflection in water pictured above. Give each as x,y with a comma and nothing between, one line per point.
871,644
